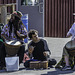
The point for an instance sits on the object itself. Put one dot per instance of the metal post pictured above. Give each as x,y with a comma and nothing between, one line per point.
4,15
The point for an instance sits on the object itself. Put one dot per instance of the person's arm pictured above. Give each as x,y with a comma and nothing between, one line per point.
4,33
30,50
23,33
47,51
68,35
71,31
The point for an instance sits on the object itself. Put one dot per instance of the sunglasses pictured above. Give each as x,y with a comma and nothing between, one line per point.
35,35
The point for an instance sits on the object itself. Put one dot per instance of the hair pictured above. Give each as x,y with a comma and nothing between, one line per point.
16,25
32,32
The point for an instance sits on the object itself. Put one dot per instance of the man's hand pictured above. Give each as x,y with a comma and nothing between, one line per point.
30,50
21,35
18,33
45,53
5,37
68,35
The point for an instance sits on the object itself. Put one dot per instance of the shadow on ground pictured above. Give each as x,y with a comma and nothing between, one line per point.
59,72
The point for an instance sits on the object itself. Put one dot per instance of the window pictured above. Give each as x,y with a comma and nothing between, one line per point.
29,2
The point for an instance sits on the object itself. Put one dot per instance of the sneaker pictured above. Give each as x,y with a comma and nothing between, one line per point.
66,68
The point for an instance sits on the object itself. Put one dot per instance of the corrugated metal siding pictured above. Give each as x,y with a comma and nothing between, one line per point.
58,17
9,9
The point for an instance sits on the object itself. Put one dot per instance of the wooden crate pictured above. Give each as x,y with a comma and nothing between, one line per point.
39,64
35,64
44,64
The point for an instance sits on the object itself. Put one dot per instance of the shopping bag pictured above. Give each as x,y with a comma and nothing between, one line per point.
12,63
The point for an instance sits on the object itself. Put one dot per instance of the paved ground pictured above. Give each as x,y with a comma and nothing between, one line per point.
56,46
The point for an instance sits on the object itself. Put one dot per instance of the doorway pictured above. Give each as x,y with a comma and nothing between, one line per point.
35,11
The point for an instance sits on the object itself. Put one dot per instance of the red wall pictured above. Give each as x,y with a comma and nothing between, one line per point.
58,17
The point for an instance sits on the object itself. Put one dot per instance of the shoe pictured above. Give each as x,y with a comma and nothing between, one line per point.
66,68
73,68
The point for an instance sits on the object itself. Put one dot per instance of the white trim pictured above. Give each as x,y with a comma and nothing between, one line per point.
43,18
40,8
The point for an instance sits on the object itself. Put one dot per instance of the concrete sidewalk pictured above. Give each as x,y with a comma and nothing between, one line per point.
56,47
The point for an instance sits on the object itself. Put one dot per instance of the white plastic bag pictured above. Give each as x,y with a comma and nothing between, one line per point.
12,63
